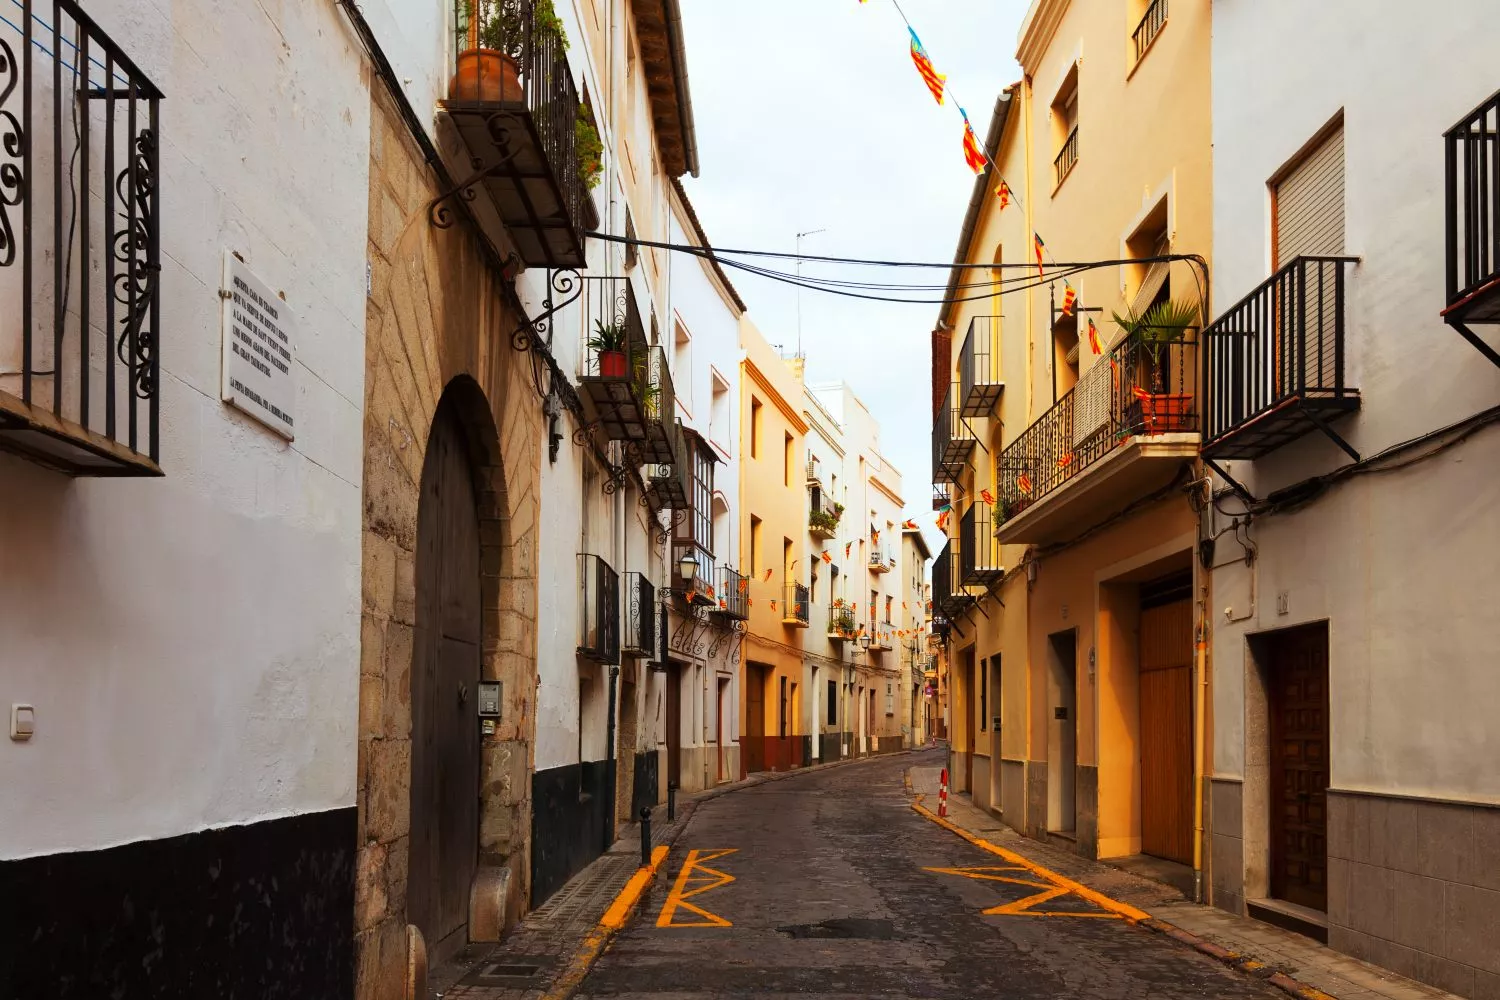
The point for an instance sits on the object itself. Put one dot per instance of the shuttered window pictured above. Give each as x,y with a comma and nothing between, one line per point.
1310,204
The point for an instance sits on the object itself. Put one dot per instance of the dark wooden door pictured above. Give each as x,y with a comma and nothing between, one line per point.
444,681
1298,667
753,740
674,725
1166,681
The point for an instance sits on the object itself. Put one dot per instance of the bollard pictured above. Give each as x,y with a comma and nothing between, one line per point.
671,801
943,794
645,836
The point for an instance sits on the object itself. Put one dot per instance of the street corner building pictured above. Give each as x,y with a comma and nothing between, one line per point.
1186,627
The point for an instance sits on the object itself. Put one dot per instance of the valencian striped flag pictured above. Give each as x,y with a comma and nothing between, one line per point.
935,81
987,496
1023,483
1002,191
1040,248
1094,337
1069,297
973,155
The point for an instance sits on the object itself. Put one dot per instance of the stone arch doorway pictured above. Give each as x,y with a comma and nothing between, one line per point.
447,649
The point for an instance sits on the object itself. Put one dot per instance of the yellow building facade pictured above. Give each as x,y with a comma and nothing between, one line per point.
1069,589
774,735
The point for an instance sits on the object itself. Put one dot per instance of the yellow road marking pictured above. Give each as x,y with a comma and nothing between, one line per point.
695,879
1026,907
609,925
1125,910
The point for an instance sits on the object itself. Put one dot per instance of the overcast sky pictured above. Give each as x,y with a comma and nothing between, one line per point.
810,115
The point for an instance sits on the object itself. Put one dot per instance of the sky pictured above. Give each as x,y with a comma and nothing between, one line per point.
810,115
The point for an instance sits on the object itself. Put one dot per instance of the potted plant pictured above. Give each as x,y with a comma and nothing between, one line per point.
590,148
489,70
608,346
1165,323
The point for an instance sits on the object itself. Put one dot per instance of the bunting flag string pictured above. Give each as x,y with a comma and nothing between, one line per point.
1094,339
973,154
936,82
1069,298
1002,191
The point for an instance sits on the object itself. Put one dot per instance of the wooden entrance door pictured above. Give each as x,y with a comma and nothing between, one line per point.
1166,693
674,725
720,774
753,741
444,685
1298,667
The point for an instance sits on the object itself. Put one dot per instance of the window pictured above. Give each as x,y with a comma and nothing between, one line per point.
813,584
1307,204
888,607
754,427
787,460
984,694
718,412
698,527
786,560
632,254
1065,126
833,703
874,605
757,558
890,698
682,364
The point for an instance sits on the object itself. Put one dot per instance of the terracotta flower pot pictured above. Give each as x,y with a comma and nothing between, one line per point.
612,364
1167,412
486,75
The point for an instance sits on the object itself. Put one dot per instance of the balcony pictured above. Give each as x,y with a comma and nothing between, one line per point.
952,440
511,127
1121,433
979,382
670,485
882,637
979,549
949,598
814,472
1067,157
81,331
703,590
627,384
794,606
842,625
734,595
823,513
599,611
941,497
1275,362
1151,24
1472,228
881,562
640,616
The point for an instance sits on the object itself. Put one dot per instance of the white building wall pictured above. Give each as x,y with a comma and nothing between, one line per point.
191,643
1400,563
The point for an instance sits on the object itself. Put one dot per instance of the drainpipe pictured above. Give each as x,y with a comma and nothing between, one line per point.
1200,701
609,819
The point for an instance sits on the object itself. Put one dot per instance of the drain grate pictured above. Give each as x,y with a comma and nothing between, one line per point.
844,927
513,971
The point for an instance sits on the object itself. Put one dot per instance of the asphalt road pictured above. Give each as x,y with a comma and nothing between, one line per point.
832,896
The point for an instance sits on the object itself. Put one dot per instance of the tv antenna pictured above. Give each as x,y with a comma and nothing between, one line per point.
810,232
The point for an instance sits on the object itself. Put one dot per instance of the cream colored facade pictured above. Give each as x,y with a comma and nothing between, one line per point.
1108,158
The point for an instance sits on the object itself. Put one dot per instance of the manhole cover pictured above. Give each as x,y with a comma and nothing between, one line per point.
844,927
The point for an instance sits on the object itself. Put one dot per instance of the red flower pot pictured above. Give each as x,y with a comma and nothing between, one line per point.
486,75
1167,412
612,364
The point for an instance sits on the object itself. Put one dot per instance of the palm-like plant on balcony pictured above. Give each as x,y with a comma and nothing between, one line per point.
608,347
1165,323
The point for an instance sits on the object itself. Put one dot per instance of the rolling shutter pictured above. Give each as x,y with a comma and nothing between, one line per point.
1310,204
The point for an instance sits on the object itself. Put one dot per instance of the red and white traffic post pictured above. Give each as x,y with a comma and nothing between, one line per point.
943,794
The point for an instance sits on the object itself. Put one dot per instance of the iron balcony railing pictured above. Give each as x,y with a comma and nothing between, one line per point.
794,609
823,513
979,549
599,610
1472,216
1139,389
940,496
80,246
1275,361
842,623
952,439
615,348
881,560
640,616
512,82
1066,157
703,589
1151,24
979,367
670,485
949,597
734,595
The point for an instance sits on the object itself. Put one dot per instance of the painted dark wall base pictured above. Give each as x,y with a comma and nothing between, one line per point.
570,807
646,789
258,911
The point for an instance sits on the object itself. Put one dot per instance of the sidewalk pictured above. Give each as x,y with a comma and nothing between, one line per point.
1257,948
546,955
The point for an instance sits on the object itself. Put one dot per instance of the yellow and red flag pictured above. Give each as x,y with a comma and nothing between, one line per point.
1094,338
1023,483
1002,191
847,547
767,576
973,154
1069,297
1041,248
987,496
908,525
935,81
826,557
744,585
1065,461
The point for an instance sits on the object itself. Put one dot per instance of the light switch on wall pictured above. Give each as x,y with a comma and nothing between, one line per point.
22,722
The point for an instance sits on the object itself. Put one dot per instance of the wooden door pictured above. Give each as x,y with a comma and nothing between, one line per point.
1166,697
674,724
1298,667
719,772
445,674
753,740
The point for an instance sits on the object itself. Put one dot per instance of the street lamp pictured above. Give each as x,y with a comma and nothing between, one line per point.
864,640
687,567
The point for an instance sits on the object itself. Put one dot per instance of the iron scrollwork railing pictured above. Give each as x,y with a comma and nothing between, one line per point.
80,215
1138,388
599,614
640,615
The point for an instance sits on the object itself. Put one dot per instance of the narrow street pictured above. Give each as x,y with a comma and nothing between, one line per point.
833,895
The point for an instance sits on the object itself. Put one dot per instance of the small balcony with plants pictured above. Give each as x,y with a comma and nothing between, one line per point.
795,610
598,610
823,514
979,381
1472,224
733,596
1121,433
524,149
81,327
842,625
627,384
640,616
